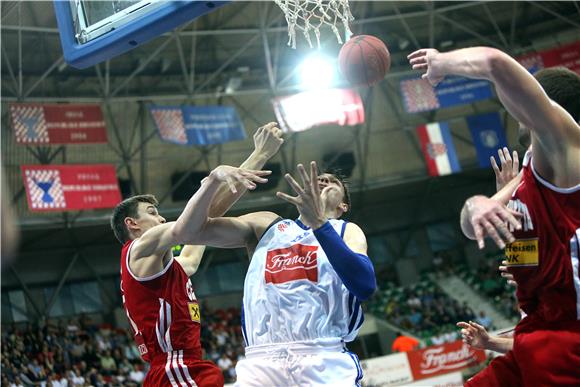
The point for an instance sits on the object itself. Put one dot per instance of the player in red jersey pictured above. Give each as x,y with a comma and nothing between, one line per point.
541,222
157,294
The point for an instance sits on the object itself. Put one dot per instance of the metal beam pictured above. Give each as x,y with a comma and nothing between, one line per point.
513,23
495,26
26,291
554,13
20,51
63,279
408,30
468,30
182,60
266,44
57,63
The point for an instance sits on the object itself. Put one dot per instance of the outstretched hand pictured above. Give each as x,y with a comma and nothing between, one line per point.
423,59
268,139
509,167
231,175
307,199
490,218
503,268
474,334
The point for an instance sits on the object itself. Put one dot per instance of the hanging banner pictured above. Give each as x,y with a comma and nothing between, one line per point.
438,149
199,125
70,187
303,111
419,96
45,124
488,136
442,359
567,56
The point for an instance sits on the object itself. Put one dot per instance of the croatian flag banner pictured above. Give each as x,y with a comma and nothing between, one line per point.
438,149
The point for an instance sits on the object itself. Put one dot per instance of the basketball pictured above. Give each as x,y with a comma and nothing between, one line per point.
364,60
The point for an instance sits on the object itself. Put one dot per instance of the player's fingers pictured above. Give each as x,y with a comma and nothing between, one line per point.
502,227
503,269
494,165
511,217
257,172
295,186
493,234
270,125
506,154
462,324
501,157
414,54
477,326
478,231
254,177
512,283
420,66
290,199
418,60
303,175
516,163
231,184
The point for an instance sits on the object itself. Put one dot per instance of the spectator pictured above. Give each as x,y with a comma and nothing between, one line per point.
404,343
484,320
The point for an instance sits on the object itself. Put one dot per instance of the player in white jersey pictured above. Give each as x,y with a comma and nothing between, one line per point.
304,286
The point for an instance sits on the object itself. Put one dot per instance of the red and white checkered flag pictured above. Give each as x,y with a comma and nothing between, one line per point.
418,95
170,124
45,189
29,124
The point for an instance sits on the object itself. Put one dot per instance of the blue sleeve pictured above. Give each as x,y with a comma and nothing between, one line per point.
355,270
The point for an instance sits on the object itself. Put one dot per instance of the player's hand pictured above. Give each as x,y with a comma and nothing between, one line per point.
268,139
307,200
425,59
507,275
509,167
232,175
474,335
490,218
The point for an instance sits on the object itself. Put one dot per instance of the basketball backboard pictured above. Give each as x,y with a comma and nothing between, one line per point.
94,31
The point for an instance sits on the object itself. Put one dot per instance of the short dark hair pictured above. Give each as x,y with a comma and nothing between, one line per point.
345,184
563,87
128,208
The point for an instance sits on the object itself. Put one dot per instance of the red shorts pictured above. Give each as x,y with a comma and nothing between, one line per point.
174,369
540,357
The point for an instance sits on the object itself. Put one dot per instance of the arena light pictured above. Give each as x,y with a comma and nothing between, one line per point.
317,72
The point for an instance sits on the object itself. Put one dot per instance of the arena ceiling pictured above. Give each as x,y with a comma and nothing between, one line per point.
247,41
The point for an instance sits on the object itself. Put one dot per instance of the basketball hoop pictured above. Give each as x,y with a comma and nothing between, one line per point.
310,15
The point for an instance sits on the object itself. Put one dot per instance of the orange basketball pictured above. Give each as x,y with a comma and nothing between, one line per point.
364,60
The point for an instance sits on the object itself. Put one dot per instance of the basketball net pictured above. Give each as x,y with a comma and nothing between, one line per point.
310,15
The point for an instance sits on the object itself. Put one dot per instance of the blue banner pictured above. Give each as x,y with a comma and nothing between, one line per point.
199,125
419,96
488,136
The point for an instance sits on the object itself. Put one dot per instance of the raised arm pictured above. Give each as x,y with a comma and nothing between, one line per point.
267,142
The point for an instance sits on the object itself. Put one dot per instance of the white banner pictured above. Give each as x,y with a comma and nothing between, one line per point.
391,370
454,379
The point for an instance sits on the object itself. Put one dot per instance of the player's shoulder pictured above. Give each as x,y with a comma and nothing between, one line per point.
353,227
261,217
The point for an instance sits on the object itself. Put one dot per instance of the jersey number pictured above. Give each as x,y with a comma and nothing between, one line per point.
193,311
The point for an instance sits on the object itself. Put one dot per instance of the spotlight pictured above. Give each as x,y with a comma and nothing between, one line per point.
317,72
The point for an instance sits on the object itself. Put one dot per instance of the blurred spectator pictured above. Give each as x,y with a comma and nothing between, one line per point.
484,320
404,343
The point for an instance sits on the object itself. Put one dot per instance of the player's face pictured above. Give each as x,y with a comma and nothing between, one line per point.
331,190
148,217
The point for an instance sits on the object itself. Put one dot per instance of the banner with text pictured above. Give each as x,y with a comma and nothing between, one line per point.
199,125
442,359
305,110
45,124
419,96
390,370
70,187
567,56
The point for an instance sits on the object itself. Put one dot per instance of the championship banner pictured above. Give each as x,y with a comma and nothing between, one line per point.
442,359
438,149
42,124
390,370
70,187
419,96
488,135
303,111
199,125
567,56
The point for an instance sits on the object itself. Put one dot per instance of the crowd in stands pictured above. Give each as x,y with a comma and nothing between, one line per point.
486,280
77,352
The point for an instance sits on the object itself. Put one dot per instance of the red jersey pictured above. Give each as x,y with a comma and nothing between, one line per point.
162,310
544,257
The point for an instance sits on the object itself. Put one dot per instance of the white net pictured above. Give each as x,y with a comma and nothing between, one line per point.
309,16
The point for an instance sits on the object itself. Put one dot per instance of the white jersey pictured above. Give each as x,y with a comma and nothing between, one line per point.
292,293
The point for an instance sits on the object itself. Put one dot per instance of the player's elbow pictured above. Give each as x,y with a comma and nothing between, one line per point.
497,65
367,290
